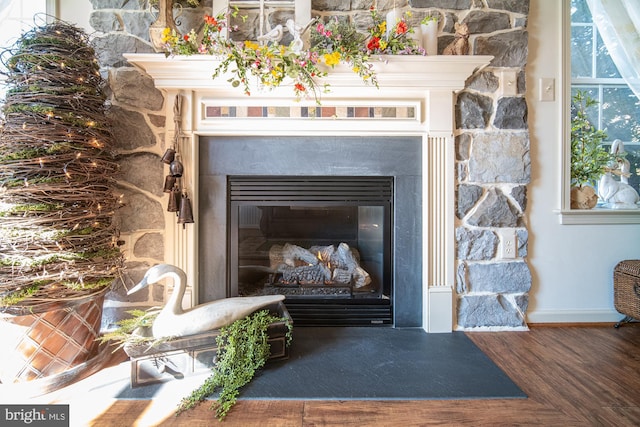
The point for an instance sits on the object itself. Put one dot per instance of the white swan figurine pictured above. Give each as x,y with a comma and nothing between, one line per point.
274,36
174,321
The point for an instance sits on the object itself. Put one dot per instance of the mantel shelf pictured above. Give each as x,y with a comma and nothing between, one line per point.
394,72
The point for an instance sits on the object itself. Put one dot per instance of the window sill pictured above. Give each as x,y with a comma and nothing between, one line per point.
599,216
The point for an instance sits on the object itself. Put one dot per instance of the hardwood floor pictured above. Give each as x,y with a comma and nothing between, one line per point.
574,376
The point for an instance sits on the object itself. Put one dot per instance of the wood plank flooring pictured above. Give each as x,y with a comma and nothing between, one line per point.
574,376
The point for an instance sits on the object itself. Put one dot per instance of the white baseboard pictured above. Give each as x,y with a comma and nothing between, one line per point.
573,316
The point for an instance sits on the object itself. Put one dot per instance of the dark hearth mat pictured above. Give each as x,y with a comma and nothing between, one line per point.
381,363
368,363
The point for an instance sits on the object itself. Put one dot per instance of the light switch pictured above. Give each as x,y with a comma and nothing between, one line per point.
547,89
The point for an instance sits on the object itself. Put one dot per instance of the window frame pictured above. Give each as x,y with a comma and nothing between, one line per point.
567,215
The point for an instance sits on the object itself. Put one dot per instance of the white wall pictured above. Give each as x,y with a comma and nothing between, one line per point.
572,265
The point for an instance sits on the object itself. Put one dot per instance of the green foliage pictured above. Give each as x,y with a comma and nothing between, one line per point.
588,156
96,284
32,207
61,256
243,349
35,153
429,18
132,331
15,183
20,295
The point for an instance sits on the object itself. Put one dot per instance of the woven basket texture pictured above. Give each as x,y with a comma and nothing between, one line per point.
43,344
626,288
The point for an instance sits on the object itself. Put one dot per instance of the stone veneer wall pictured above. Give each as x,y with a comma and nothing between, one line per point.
492,147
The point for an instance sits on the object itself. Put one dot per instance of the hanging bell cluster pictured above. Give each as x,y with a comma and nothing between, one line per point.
178,199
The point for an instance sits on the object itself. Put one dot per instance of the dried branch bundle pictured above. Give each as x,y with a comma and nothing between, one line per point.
58,239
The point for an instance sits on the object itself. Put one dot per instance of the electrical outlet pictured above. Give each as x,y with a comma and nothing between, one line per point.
508,243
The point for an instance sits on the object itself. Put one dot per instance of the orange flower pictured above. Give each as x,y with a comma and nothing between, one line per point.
210,20
300,87
402,27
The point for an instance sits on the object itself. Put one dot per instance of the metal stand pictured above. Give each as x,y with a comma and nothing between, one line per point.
626,319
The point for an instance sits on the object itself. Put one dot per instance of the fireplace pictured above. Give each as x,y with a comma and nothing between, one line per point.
325,242
408,120
310,192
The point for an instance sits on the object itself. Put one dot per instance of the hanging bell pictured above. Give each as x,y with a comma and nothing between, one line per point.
174,200
175,168
185,216
168,156
169,183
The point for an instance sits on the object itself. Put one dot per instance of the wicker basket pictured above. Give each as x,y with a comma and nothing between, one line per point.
626,288
50,342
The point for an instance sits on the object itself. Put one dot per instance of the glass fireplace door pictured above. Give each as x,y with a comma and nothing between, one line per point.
324,243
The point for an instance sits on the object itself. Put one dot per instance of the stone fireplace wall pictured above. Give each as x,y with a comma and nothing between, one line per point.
492,148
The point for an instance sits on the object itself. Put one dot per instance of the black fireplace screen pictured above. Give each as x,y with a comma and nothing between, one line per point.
323,242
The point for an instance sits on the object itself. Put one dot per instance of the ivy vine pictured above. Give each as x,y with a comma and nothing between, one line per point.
243,349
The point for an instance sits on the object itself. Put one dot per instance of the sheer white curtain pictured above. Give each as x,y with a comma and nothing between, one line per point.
618,22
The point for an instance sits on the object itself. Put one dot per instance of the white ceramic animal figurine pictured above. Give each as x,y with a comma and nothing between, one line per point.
297,44
618,195
274,36
174,321
296,32
617,149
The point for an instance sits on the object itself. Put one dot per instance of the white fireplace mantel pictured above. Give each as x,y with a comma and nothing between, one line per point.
427,85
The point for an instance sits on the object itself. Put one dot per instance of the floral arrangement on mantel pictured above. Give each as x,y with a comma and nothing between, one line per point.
332,43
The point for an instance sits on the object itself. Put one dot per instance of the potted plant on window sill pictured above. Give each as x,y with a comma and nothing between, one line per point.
588,157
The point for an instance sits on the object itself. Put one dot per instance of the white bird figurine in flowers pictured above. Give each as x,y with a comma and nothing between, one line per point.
274,36
296,32
174,321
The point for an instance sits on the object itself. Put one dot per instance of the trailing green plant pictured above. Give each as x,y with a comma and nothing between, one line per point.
243,349
588,156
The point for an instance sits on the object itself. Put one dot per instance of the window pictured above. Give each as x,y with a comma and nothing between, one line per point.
18,16
269,14
594,71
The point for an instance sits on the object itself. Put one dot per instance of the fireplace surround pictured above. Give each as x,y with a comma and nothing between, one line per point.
415,101
351,162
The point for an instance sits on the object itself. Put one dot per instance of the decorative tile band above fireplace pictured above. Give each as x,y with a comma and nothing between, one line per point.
425,84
